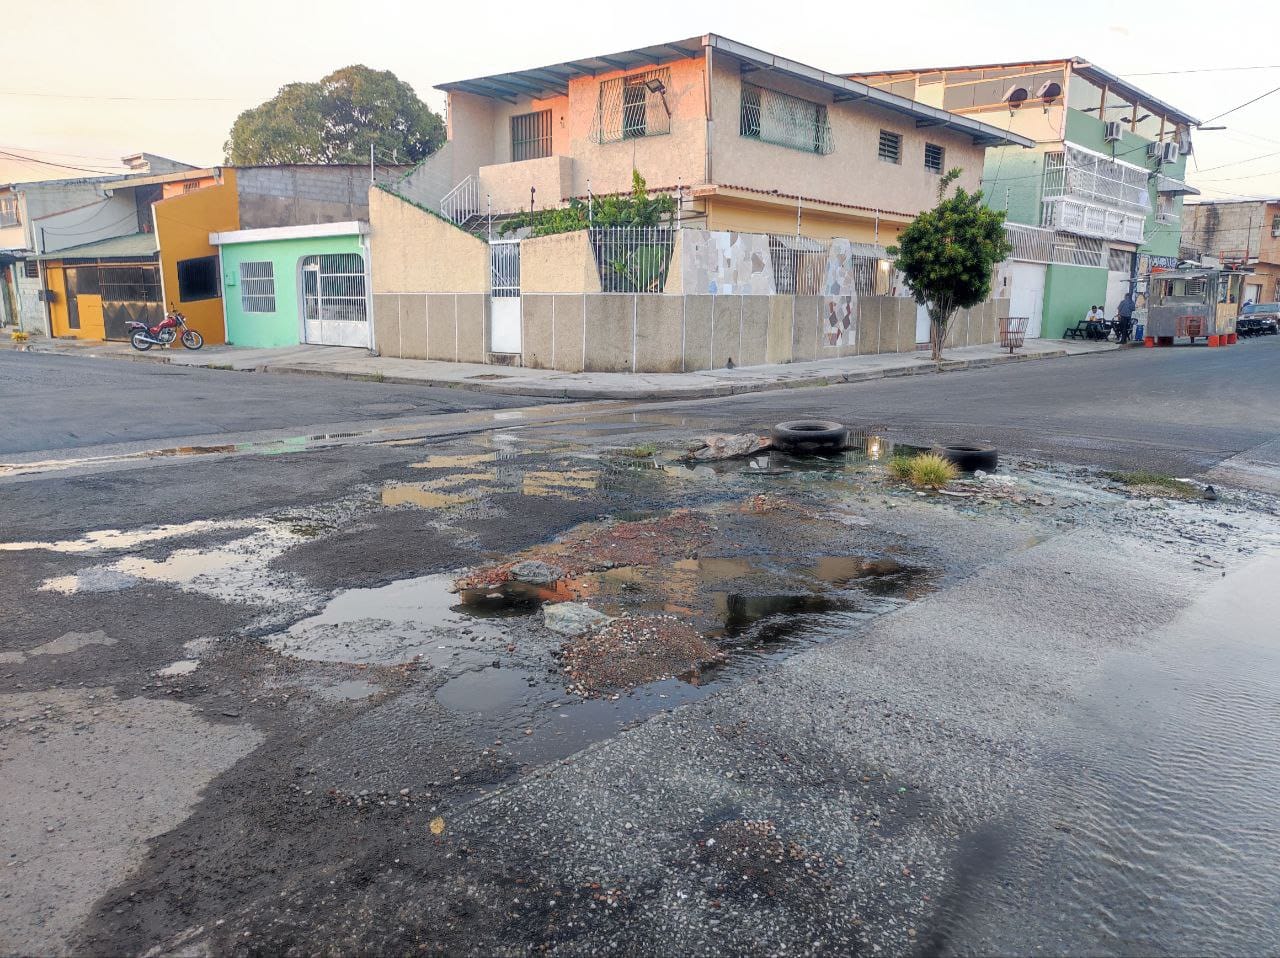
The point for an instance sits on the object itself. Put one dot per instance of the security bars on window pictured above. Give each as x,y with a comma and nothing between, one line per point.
628,109
890,147
1086,176
257,287
783,120
935,157
531,136
9,211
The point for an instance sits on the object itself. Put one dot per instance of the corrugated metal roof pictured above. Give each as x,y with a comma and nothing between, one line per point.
554,80
132,246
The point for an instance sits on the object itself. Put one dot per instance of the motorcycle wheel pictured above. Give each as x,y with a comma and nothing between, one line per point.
140,342
192,340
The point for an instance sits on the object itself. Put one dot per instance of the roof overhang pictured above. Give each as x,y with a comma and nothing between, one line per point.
553,80
308,231
1098,75
129,182
844,90
1173,187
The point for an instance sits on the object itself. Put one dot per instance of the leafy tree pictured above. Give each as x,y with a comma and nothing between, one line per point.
335,120
947,255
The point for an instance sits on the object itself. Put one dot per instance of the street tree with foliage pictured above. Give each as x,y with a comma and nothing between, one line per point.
336,120
947,255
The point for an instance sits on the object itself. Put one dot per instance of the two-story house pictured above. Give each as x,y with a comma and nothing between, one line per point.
1104,182
752,141
1242,233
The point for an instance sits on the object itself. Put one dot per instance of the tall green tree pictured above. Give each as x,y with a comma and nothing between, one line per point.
947,256
335,120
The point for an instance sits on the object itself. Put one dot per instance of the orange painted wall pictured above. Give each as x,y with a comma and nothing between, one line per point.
56,282
180,187
183,225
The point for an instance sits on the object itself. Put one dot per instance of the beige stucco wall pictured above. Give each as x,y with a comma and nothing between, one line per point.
745,216
562,263
853,173
413,251
667,160
506,186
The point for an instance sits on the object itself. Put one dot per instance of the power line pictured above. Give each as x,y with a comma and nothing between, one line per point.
77,156
143,99
1241,106
79,169
1162,73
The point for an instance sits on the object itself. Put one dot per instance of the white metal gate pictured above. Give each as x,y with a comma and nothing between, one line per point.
335,304
1025,289
504,297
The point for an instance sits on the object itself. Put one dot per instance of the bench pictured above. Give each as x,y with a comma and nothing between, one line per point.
1079,331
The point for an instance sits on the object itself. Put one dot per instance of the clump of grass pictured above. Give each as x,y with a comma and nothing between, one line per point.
18,336
925,471
1154,483
378,377
644,451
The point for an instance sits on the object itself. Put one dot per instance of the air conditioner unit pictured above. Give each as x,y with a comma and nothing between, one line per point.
1112,133
1153,150
1170,153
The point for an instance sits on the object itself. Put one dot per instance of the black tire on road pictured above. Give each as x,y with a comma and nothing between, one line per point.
971,456
192,340
139,342
810,435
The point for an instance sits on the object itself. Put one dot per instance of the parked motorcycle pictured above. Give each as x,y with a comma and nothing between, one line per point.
143,337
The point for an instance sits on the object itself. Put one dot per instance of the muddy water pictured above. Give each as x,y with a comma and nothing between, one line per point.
1165,800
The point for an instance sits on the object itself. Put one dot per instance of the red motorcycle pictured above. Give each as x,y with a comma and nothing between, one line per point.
144,337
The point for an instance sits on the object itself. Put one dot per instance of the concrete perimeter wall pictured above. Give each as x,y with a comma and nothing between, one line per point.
620,332
415,251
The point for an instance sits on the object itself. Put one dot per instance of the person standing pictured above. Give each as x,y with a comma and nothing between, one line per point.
1124,318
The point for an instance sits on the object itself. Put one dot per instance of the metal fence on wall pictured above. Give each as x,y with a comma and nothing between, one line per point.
633,259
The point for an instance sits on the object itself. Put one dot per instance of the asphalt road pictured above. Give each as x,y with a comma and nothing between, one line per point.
68,402
187,766
1178,410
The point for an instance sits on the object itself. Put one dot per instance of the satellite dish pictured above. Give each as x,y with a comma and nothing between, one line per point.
1049,92
1016,96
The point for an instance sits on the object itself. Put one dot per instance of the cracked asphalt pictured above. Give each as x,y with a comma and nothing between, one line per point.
241,713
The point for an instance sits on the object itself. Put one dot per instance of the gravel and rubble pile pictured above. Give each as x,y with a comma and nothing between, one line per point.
633,650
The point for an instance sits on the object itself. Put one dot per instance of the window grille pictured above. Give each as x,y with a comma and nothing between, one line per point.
257,287
31,269
1120,261
190,186
9,211
784,120
1077,250
627,108
1087,176
333,287
890,147
935,157
130,284
530,136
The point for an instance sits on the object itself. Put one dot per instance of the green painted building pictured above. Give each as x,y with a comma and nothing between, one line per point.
1096,203
296,284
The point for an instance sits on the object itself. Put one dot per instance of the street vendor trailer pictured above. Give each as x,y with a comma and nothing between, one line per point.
1191,304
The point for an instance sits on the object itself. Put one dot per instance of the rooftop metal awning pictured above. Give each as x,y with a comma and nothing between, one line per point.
1173,187
554,80
130,246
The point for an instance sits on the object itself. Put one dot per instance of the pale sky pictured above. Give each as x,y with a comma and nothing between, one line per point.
84,82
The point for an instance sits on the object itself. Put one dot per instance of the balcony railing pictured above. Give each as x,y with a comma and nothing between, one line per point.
1090,177
1089,219
1031,244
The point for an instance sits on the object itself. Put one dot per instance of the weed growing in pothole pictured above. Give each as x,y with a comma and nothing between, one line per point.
925,471
1154,484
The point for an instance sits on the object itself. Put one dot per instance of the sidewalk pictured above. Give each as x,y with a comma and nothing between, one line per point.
347,363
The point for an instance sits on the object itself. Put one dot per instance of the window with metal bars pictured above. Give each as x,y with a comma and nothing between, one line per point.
31,269
1120,260
190,186
890,147
784,120
530,136
130,284
257,287
935,157
9,211
633,106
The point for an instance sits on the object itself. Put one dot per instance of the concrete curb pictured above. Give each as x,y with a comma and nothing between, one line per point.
706,390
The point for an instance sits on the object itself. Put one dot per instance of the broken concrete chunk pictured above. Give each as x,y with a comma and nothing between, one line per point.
535,573
571,618
730,447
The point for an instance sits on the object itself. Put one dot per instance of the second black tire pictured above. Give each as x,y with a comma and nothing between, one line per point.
971,456
810,435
